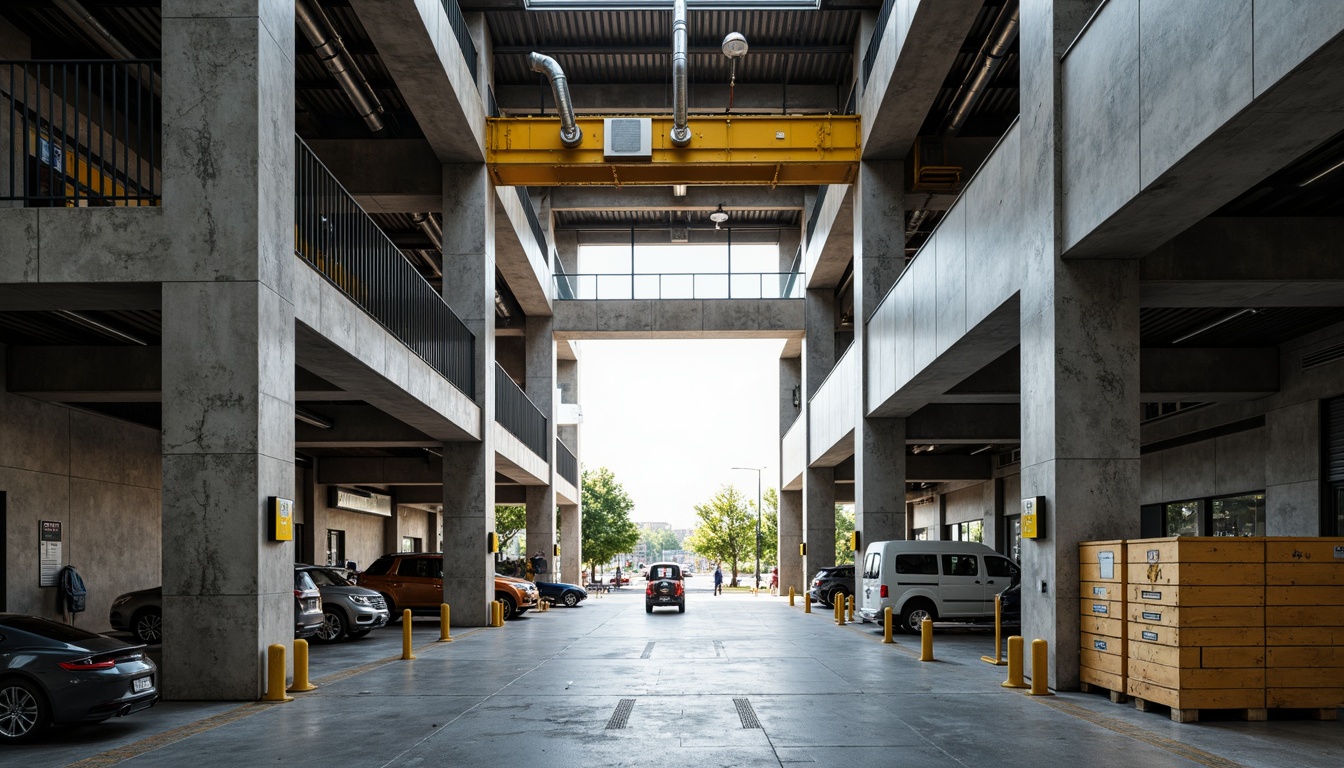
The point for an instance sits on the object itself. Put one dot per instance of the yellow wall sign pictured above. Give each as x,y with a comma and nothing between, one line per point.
1033,524
280,513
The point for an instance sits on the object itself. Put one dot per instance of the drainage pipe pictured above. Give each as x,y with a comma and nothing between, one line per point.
681,133
103,36
571,135
986,64
331,51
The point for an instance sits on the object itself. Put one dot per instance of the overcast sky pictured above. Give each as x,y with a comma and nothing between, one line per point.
672,418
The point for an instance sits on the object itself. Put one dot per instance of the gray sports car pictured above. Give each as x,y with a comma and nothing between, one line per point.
55,673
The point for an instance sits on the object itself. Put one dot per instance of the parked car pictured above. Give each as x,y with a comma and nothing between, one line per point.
53,673
141,612
556,593
347,610
831,581
937,580
414,580
665,587
1010,604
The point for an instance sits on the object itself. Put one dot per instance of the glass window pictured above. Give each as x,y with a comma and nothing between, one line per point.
961,565
423,567
972,530
1239,515
380,566
873,567
1182,518
921,534
663,572
325,578
924,565
1017,539
1000,566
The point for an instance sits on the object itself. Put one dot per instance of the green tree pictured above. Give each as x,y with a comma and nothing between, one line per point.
844,526
657,541
510,520
770,527
726,531
607,528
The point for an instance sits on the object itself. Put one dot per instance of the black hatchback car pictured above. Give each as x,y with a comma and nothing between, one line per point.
55,673
665,587
831,581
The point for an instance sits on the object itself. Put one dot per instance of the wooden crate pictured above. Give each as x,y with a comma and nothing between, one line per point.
1304,622
1195,623
1102,656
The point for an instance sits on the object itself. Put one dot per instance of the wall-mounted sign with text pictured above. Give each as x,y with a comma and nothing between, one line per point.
49,552
359,501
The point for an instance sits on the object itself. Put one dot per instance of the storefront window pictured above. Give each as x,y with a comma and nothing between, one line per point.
973,530
1182,518
1239,515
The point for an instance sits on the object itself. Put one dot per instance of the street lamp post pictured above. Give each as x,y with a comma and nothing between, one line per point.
758,521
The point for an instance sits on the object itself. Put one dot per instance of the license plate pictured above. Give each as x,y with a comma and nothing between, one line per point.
142,684
665,599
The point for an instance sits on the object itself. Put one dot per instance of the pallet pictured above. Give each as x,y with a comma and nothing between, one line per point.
1117,697
1248,714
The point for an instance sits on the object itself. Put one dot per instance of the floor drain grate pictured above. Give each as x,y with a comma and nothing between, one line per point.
648,650
622,714
746,713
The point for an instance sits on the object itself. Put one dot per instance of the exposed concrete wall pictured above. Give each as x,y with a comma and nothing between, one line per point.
679,319
1229,464
365,539
100,478
969,504
833,412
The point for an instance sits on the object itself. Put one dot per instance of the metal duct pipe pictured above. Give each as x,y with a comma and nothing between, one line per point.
986,64
431,227
570,133
681,133
102,36
331,51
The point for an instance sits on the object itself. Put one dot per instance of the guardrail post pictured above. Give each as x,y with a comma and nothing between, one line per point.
275,674
997,659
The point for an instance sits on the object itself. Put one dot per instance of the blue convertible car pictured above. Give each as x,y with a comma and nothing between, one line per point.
568,595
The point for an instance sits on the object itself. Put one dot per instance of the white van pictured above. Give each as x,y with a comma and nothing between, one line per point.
939,580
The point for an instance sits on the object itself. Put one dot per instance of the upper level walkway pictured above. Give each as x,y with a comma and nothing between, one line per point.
735,681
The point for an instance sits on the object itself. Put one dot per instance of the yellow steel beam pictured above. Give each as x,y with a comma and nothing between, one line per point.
724,149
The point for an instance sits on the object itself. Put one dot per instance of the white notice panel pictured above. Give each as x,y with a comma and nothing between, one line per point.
49,552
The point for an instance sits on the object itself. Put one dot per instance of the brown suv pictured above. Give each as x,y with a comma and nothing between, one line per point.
415,580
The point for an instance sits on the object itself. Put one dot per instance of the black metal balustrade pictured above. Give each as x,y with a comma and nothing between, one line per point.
339,240
80,133
679,285
463,35
566,464
534,222
875,44
516,412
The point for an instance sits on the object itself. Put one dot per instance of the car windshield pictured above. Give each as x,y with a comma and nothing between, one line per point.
323,577
47,628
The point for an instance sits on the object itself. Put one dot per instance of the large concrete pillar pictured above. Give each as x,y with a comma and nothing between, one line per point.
1293,470
539,385
571,515
228,343
790,502
818,482
469,467
879,444
1080,368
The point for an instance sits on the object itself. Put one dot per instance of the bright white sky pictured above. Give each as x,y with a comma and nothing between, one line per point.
671,418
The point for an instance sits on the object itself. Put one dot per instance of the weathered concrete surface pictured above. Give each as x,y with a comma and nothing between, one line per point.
385,175
679,319
524,262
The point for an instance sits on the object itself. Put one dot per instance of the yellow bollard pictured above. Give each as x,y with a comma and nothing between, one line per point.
926,640
790,597
406,654
275,674
1040,668
997,658
1015,679
886,625
445,626
807,603
496,614
851,608
301,683
839,602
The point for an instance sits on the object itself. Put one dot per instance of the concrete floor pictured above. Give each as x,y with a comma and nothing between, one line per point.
543,691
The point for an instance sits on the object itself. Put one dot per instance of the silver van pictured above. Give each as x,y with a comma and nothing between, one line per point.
938,580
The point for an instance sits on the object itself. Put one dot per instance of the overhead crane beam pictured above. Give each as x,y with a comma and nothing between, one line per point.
761,150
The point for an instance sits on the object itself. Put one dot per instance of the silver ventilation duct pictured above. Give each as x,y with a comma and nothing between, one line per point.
331,51
986,64
570,133
681,133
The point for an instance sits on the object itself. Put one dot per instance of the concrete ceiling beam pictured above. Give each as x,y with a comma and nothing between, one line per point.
86,374
703,198
358,426
950,468
964,424
1208,375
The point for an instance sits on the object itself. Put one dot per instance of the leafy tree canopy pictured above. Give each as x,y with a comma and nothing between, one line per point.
607,528
726,531
844,526
510,520
770,527
657,541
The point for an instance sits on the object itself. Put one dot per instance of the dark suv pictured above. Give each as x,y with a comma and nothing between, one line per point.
665,587
831,581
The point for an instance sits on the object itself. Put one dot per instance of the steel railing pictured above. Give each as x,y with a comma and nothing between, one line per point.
339,240
534,222
566,463
875,43
564,288
815,215
81,133
680,285
459,24
516,412
789,285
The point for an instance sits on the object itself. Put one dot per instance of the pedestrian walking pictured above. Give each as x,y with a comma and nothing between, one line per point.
718,579
774,580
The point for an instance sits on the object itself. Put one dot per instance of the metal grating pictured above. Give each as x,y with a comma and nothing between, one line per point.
746,714
621,716
1322,356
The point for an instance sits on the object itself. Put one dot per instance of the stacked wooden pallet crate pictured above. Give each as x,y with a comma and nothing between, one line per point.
1102,657
1196,624
1304,624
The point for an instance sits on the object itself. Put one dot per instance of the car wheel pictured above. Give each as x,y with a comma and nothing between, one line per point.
570,599
392,613
147,626
681,608
333,625
648,608
510,607
23,710
914,614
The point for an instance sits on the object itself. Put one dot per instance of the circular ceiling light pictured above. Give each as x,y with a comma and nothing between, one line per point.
735,45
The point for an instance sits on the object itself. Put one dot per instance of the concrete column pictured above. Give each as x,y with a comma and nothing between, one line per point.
469,467
818,482
571,515
228,343
790,502
314,544
539,385
1080,373
1293,470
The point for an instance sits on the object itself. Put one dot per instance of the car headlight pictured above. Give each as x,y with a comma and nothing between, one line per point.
360,600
